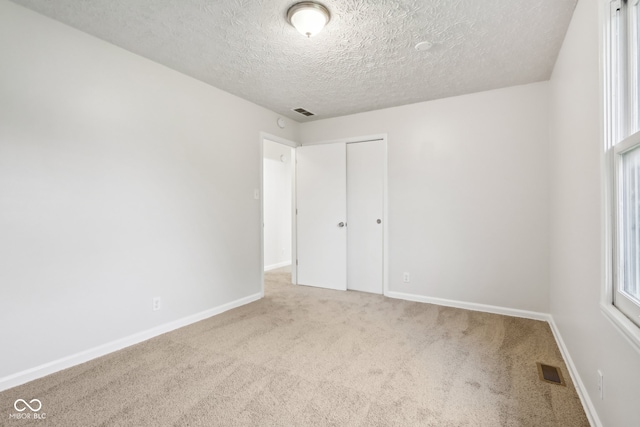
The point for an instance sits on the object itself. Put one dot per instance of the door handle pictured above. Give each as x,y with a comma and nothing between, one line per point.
379,221
341,224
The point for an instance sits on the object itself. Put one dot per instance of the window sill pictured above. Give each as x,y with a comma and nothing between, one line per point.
625,326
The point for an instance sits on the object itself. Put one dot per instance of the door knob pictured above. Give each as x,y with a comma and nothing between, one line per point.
379,221
341,224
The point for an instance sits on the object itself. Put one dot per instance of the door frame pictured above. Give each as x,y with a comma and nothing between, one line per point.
294,253
382,137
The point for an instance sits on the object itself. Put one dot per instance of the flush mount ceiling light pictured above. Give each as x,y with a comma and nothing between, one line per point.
308,17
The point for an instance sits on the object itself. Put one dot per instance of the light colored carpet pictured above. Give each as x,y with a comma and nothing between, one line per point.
312,357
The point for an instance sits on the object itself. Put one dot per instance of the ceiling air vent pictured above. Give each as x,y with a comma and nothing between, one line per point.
304,112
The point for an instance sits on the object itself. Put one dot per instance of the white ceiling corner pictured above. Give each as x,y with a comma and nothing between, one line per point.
363,60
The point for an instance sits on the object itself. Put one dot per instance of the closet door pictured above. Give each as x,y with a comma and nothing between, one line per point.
321,203
365,208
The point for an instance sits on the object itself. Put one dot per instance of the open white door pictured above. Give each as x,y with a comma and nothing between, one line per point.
321,216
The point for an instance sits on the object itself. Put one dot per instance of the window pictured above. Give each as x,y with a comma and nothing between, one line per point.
622,155
626,296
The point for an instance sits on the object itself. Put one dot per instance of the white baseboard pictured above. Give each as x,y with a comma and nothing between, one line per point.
84,356
101,350
470,306
587,404
278,265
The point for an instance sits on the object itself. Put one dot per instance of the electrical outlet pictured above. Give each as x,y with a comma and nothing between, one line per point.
157,303
600,384
406,277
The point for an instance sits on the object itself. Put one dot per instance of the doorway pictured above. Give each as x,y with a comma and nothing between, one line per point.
277,194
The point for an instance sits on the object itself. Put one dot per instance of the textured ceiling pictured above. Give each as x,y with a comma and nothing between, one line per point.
363,60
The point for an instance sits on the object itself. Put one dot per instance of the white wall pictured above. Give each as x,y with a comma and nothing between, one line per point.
576,224
120,180
277,172
468,194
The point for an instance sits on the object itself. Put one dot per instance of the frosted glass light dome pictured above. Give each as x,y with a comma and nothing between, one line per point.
308,17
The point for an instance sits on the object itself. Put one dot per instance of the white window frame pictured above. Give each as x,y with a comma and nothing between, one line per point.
620,300
621,108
